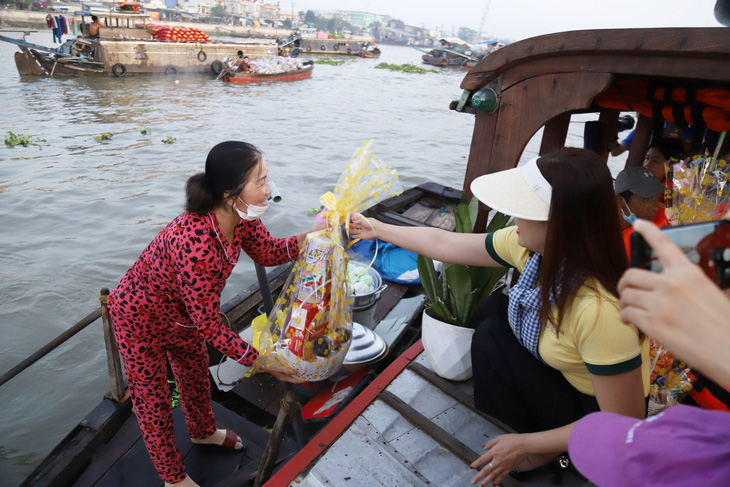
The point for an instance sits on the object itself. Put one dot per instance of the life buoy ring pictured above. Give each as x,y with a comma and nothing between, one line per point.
216,66
324,48
170,70
309,48
202,56
349,50
336,47
119,70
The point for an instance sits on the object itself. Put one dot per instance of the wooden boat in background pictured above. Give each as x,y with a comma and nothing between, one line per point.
248,77
331,47
395,423
126,48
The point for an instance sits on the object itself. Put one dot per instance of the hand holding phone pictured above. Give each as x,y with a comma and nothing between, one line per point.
706,244
680,306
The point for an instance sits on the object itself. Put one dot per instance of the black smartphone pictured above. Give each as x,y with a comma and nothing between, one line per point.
706,244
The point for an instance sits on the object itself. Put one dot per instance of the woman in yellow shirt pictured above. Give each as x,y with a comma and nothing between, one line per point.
539,368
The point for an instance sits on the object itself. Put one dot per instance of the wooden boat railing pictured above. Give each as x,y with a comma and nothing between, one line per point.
234,309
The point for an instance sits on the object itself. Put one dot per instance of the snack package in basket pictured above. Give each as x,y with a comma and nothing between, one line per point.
670,379
310,328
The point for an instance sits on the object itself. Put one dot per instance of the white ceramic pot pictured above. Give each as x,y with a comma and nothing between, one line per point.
447,347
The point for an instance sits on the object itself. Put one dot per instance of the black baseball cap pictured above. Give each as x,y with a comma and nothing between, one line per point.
638,180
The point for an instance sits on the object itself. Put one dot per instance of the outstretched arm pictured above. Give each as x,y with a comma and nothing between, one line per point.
451,247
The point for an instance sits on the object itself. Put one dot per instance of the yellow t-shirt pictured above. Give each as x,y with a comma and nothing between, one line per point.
592,339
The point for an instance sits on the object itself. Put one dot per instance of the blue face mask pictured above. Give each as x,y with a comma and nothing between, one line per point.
631,217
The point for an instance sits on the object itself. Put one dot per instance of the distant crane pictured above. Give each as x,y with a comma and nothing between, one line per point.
484,18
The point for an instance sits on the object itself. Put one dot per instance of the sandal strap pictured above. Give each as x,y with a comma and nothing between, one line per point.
230,440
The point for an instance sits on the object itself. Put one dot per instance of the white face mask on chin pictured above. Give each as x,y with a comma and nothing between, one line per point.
253,212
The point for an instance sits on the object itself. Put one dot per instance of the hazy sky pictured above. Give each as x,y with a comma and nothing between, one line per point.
518,19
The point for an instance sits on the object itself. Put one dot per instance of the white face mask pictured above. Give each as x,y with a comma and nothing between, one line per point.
253,212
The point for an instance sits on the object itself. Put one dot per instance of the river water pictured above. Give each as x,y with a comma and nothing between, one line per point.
75,214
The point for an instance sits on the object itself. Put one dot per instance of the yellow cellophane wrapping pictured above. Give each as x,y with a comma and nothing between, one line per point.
699,190
310,328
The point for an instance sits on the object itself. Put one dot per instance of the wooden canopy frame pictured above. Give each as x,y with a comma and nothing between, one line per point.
542,81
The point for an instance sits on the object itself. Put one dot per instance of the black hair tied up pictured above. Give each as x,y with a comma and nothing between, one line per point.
227,169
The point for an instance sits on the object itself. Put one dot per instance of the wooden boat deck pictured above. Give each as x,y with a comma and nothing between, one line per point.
410,427
124,461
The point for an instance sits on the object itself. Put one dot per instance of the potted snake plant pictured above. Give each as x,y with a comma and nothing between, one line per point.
453,298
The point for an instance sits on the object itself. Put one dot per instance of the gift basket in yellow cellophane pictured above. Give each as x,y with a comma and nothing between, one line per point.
699,190
310,328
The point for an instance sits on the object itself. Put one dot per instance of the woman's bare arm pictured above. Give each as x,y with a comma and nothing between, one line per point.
451,247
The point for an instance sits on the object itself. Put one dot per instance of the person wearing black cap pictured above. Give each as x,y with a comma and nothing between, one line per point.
638,195
167,306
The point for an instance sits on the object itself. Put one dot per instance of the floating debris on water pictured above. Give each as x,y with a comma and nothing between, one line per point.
145,131
24,140
169,140
102,137
331,61
406,68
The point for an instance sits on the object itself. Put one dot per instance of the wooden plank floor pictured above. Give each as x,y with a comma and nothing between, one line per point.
430,440
124,461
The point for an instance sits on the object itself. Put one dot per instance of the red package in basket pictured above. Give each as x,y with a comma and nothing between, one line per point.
307,323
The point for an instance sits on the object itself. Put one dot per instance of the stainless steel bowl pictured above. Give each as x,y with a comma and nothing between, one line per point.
365,300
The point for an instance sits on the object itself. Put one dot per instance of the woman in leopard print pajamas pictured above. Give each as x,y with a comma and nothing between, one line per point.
167,306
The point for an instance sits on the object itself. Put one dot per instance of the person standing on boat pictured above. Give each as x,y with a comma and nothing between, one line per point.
167,306
94,27
541,367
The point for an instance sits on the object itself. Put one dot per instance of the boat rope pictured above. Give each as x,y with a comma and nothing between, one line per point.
290,407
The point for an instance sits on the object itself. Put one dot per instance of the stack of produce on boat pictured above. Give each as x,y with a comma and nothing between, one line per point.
178,34
275,65
309,331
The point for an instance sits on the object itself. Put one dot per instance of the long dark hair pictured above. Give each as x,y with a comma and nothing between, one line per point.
227,170
583,235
